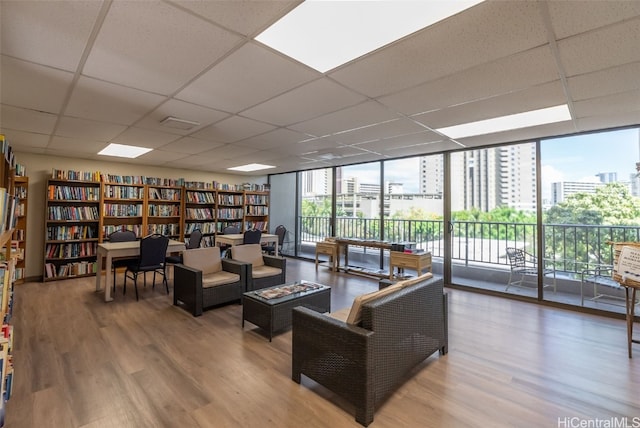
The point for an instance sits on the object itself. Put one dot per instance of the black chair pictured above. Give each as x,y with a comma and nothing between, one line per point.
281,232
252,237
229,230
153,253
194,242
121,236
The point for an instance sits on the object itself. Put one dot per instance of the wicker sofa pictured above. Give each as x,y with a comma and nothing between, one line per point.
204,280
364,364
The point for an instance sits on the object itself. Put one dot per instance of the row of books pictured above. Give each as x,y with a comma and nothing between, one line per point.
59,174
123,192
164,194
200,197
204,227
20,170
73,193
70,269
73,213
71,251
164,229
164,210
230,199
8,210
199,213
123,210
257,225
109,229
233,223
257,210
230,213
21,191
199,185
255,199
66,233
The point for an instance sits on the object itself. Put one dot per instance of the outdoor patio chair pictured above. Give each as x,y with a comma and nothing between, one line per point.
525,265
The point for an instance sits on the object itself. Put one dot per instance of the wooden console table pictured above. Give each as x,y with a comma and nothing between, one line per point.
330,248
418,262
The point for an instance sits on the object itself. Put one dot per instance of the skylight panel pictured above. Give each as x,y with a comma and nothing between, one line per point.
324,34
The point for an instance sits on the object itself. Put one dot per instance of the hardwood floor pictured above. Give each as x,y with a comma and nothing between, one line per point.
81,362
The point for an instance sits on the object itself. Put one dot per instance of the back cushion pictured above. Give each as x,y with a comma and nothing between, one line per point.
248,253
355,314
206,259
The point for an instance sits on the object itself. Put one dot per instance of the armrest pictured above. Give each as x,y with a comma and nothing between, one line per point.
275,261
235,266
316,336
185,277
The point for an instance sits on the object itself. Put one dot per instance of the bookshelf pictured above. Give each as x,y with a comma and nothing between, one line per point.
123,205
200,211
19,238
230,209
72,221
164,210
256,210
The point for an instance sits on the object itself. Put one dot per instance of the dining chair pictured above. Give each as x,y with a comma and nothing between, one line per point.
195,238
121,236
252,236
153,253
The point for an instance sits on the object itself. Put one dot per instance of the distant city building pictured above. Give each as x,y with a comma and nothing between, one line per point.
316,182
394,188
561,190
607,177
431,174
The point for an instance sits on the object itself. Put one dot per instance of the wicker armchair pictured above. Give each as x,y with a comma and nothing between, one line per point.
365,364
206,280
262,270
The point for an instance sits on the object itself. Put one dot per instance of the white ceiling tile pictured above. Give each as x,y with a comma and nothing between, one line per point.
376,132
276,138
606,121
52,33
397,142
233,152
145,138
546,95
245,17
611,104
306,102
25,141
161,156
422,149
76,145
155,47
569,18
190,145
600,49
512,73
233,129
306,147
28,85
87,129
486,32
102,101
367,113
26,120
250,75
605,82
181,110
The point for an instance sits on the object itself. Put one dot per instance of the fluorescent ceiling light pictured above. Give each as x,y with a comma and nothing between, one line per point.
324,34
177,123
506,123
251,167
123,151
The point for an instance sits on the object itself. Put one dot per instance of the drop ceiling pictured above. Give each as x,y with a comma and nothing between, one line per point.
77,75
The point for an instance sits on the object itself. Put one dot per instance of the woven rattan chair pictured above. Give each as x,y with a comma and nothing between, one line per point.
262,270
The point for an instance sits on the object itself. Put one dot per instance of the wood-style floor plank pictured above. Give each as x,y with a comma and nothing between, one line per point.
81,362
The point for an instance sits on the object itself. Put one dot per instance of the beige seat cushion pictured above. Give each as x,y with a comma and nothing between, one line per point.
205,259
249,253
341,315
219,278
264,271
355,314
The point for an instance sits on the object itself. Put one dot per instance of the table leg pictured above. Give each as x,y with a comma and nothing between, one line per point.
630,297
108,279
99,272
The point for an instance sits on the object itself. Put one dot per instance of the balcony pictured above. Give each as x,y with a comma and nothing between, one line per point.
479,253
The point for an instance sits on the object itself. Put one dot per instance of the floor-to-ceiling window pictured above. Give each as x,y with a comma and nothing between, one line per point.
316,190
493,213
590,196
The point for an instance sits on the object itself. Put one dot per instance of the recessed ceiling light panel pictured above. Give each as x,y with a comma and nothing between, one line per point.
123,151
324,34
176,123
251,167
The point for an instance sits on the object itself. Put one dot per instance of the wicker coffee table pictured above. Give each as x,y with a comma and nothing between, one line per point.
270,310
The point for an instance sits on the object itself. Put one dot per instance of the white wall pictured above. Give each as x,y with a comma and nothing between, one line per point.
39,169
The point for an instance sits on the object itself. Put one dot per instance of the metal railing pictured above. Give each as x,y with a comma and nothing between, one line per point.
567,248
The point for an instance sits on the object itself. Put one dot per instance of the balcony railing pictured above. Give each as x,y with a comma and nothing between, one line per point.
567,248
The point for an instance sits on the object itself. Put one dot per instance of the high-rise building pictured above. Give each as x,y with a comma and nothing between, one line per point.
561,190
607,177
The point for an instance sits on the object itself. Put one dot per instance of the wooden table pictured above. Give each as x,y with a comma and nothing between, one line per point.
331,249
111,250
237,239
344,242
418,262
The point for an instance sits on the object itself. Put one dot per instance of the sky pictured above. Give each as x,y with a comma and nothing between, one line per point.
576,158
